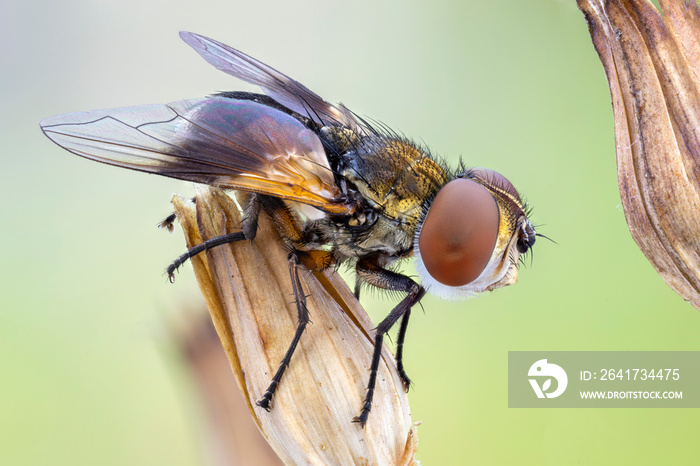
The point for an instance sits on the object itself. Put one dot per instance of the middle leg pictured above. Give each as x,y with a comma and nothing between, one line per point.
302,321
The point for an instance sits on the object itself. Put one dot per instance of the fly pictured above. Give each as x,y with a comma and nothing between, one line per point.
339,189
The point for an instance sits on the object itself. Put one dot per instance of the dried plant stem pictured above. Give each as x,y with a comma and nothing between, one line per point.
247,288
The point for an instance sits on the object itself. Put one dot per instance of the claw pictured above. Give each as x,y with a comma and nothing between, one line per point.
264,403
361,419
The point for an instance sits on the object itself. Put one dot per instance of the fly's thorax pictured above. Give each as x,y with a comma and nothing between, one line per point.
472,235
352,242
339,139
395,179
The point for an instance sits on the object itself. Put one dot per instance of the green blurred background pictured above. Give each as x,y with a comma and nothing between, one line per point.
89,375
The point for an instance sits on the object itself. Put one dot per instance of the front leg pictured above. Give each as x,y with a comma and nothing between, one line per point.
249,228
380,277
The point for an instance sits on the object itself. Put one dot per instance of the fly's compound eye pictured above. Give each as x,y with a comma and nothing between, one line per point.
496,181
459,232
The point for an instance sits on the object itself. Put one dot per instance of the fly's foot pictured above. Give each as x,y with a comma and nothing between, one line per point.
404,378
264,402
364,414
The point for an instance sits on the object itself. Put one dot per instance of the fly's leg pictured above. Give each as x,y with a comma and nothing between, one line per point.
302,321
310,260
208,244
168,221
399,350
377,276
249,228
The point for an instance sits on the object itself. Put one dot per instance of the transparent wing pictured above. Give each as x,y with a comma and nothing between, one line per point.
279,86
217,141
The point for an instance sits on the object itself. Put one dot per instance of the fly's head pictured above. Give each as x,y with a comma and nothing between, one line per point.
471,238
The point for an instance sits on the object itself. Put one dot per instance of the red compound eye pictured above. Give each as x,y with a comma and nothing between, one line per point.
496,180
459,232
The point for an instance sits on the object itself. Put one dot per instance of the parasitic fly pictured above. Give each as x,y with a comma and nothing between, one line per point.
339,189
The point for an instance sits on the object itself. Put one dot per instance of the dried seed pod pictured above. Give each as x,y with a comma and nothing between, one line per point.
652,63
247,289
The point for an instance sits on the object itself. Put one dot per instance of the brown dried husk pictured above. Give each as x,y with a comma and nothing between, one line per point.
247,288
652,63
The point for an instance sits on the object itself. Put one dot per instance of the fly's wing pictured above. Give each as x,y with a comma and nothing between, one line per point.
279,86
217,141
